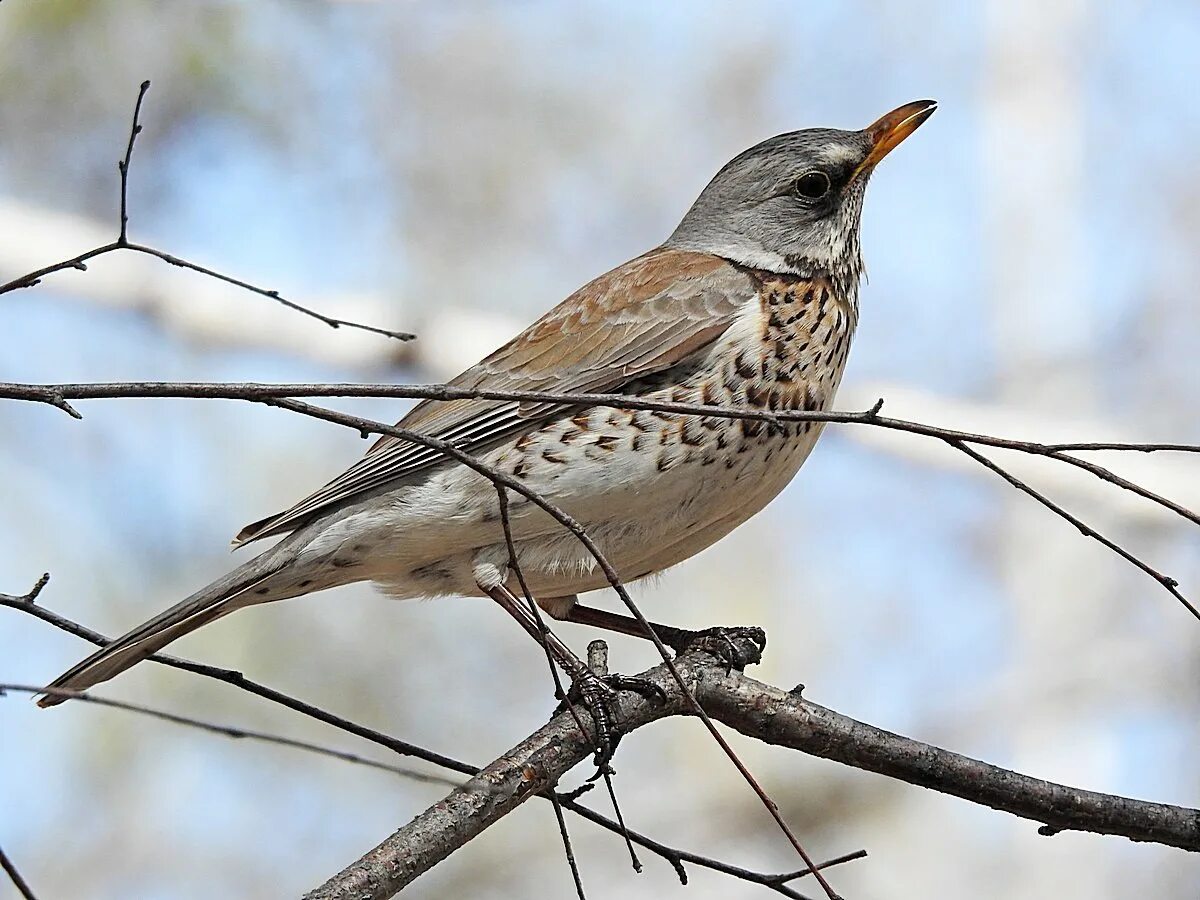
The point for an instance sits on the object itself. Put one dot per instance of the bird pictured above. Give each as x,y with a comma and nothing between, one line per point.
751,302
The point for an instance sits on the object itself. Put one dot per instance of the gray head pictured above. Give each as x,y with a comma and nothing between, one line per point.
793,203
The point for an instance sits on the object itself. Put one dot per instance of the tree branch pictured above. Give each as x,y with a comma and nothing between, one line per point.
785,719
773,716
122,242
15,877
230,731
58,395
675,856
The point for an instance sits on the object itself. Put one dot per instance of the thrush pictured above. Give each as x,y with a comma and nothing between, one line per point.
752,303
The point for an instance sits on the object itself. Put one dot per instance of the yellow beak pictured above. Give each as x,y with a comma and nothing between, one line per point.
887,133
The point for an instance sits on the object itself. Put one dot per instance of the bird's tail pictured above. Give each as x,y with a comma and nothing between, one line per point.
252,582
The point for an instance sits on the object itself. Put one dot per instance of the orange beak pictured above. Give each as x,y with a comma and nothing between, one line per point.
887,133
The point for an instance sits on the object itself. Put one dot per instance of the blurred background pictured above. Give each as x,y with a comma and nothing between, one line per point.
455,169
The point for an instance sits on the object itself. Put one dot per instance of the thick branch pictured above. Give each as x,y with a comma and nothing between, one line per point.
775,717
533,766
787,720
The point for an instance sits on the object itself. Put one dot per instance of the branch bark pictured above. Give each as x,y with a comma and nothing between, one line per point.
774,716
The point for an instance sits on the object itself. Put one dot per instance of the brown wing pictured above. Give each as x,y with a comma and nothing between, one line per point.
638,319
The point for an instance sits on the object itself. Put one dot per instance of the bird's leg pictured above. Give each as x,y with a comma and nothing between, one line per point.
562,654
719,641
598,692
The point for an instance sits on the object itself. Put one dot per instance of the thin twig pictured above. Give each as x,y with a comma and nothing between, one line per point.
1125,446
1112,478
26,604
605,772
232,731
123,165
122,242
58,394
267,292
567,848
253,390
55,393
777,882
559,692
15,877
672,855
1086,530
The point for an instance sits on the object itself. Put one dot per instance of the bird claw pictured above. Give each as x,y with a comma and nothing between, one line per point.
736,647
599,694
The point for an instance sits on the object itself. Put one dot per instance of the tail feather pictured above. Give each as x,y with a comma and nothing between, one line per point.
206,605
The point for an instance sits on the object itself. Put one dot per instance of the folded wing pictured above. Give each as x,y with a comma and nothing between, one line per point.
643,317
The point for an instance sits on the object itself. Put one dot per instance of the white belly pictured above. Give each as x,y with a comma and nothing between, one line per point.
644,517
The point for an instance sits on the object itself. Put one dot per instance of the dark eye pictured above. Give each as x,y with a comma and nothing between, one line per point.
812,185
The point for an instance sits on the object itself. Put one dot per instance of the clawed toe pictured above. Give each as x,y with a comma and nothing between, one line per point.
599,694
736,647
643,687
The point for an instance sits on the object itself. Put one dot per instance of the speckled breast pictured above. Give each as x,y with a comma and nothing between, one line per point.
789,354
654,488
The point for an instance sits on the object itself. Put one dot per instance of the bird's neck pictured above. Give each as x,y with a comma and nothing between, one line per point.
840,263
843,272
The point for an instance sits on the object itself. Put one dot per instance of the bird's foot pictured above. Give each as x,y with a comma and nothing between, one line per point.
599,693
736,647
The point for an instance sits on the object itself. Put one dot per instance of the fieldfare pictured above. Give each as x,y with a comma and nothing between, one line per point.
751,302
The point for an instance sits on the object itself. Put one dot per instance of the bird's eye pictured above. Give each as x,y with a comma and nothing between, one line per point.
812,185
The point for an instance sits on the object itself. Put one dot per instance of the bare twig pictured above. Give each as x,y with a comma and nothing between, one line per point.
58,395
15,877
266,292
122,242
567,848
604,771
1085,529
232,731
26,604
55,394
502,499
777,882
29,598
251,390
1126,446
123,165
672,855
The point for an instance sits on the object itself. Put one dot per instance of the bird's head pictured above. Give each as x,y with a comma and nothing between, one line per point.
793,203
